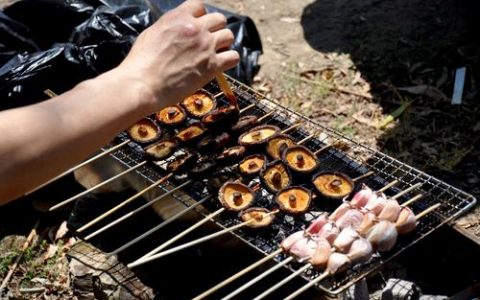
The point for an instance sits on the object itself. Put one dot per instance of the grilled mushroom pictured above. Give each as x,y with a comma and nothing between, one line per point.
199,104
257,217
214,143
218,178
160,150
203,168
275,176
294,200
182,163
333,185
258,135
171,116
144,131
278,144
235,196
245,123
190,133
221,118
231,155
300,160
252,165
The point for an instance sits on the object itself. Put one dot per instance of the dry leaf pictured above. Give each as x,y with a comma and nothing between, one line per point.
51,251
62,231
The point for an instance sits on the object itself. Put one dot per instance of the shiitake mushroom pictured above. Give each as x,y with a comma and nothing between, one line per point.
275,176
294,200
231,155
191,133
221,118
144,131
252,165
257,217
300,159
218,178
278,144
235,196
172,115
258,135
202,168
333,185
160,150
213,143
182,163
243,124
199,104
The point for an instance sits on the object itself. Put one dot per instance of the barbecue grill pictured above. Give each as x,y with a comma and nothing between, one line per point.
352,159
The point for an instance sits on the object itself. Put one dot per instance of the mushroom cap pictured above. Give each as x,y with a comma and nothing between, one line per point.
144,131
258,135
171,115
182,162
333,185
300,159
222,117
261,217
244,123
235,196
278,144
199,103
252,164
294,200
190,133
268,176
160,150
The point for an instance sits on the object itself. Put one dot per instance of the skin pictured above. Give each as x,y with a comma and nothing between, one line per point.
170,60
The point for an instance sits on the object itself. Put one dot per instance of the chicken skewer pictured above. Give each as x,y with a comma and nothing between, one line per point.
258,263
329,271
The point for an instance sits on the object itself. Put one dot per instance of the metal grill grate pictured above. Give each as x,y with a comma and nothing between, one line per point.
355,161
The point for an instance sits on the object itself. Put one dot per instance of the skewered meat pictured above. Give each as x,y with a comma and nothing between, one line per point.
322,253
199,104
275,176
342,209
304,248
329,231
376,204
160,150
406,221
391,211
252,165
369,219
351,218
317,224
278,144
171,115
333,185
300,159
288,242
144,131
345,239
360,251
257,216
383,236
362,197
338,262
235,196
294,200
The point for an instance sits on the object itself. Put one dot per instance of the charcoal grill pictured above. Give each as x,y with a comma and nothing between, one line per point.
357,160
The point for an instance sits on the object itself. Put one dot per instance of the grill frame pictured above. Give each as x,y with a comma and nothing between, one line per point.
358,160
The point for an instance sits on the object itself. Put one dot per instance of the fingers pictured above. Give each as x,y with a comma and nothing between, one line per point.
214,21
194,7
223,39
227,59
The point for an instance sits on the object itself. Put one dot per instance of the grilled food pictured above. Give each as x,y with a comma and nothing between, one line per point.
257,216
203,168
258,135
252,165
199,104
221,118
144,131
213,143
231,155
300,160
191,133
275,176
294,200
333,185
172,115
235,196
244,124
160,150
278,144
182,162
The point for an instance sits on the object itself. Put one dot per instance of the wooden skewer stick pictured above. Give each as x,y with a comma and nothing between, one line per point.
105,152
137,210
389,185
237,275
159,226
111,211
225,87
292,127
407,190
217,95
73,198
265,116
427,211
247,108
368,174
414,199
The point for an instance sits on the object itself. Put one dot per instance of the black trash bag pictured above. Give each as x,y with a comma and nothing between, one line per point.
14,38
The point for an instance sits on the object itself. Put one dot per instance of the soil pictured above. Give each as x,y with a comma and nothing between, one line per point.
381,72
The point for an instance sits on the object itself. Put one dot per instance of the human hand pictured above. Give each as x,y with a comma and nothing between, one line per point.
180,53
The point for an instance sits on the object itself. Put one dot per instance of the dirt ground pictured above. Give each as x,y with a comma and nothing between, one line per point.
381,72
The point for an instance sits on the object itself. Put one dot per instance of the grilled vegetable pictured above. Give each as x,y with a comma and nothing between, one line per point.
213,143
278,144
190,133
300,160
333,185
258,135
182,163
199,104
294,200
160,150
203,168
221,118
252,165
275,176
259,216
235,196
144,131
171,115
218,178
245,123
231,155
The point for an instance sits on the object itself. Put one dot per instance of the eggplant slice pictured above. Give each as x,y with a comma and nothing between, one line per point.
199,104
258,135
278,144
221,118
333,185
252,165
231,155
182,162
171,116
235,196
213,143
144,131
244,124
191,133
257,216
300,160
160,150
275,176
294,200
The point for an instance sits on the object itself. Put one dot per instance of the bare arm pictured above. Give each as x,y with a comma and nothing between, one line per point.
169,61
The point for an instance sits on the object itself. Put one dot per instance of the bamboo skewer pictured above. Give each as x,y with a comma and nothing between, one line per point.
405,191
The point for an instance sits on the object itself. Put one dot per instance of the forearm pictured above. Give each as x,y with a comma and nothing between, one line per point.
49,137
